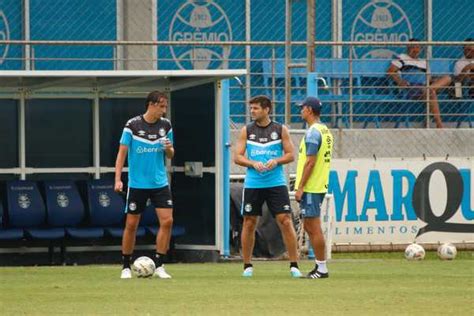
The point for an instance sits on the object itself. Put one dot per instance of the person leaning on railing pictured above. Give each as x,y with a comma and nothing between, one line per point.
464,70
408,71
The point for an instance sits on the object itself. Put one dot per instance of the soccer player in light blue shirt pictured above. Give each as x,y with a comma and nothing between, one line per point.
147,140
263,147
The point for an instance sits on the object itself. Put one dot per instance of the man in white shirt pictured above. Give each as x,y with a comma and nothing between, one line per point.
464,67
409,72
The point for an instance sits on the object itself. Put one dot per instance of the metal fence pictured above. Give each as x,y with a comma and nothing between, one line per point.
352,48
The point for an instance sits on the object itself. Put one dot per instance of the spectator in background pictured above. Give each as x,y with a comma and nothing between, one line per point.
409,72
464,69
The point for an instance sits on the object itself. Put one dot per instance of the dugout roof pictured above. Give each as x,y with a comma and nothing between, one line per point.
108,81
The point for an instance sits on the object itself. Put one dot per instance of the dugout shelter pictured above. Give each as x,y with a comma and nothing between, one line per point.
198,110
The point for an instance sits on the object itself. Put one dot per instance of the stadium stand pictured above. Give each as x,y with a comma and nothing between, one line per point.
372,91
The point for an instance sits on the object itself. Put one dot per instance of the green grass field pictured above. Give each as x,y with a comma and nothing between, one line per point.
368,284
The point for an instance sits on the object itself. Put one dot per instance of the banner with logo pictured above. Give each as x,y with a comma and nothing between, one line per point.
185,20
399,201
10,29
382,20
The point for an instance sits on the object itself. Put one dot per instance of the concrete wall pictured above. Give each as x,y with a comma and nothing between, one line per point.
138,23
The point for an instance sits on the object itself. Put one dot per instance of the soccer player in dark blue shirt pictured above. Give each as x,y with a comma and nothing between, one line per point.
147,140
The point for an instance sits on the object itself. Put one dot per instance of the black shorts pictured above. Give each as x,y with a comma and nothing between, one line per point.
137,199
277,199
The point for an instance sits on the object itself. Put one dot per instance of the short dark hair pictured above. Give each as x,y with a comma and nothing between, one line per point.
153,97
263,100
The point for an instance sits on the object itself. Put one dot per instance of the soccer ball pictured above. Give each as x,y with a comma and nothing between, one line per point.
447,251
143,267
414,252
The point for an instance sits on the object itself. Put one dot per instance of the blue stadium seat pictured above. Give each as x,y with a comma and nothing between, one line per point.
26,211
107,208
66,210
8,233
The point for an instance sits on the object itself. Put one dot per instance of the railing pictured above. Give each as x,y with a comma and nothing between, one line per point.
356,91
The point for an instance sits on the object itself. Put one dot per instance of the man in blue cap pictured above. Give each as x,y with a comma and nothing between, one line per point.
312,178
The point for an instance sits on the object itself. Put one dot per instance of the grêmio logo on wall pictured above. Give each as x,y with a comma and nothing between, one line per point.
378,21
200,21
412,198
4,35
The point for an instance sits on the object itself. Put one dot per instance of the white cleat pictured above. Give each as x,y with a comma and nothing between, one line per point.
161,273
126,274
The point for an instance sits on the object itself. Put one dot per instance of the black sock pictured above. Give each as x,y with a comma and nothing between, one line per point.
294,265
126,261
159,257
247,265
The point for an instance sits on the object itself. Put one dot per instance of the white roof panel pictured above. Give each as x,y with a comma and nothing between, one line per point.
108,81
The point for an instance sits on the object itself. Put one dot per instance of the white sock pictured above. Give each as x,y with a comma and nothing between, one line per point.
322,266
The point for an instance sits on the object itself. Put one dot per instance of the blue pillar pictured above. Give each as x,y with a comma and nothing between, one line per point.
312,84
225,121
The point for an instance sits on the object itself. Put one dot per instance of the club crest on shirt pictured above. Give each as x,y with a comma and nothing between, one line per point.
162,132
274,135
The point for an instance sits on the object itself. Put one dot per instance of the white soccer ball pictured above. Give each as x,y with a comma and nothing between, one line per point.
414,252
143,267
447,251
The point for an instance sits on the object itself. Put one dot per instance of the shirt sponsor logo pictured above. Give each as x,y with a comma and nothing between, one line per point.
261,152
252,136
148,150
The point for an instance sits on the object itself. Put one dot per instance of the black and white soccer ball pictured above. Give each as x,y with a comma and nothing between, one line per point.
447,251
143,267
414,252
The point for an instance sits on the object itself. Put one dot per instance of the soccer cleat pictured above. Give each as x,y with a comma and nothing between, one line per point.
248,272
315,274
126,274
161,273
295,272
